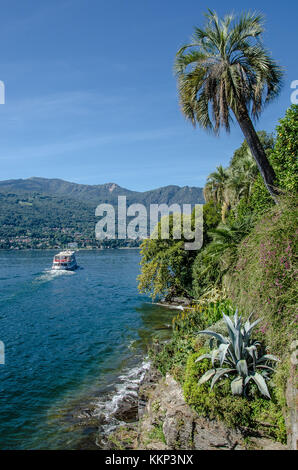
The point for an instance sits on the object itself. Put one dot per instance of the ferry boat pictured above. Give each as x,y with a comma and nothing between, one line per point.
65,261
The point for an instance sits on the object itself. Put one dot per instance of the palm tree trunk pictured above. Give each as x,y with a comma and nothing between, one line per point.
257,151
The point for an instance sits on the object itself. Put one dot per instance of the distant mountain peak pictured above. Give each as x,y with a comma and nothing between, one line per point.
111,186
107,192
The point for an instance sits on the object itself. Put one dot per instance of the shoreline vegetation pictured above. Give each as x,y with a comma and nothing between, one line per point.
248,262
233,351
76,249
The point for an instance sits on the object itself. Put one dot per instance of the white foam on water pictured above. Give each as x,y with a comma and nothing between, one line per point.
50,274
126,387
132,345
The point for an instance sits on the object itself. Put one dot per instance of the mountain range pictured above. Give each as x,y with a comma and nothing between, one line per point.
102,192
49,213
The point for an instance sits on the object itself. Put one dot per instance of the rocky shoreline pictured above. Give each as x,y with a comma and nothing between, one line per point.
179,303
152,414
98,417
160,419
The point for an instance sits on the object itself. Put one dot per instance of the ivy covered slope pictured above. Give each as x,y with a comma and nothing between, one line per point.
248,261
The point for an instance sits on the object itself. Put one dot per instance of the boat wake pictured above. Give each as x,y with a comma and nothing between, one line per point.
51,274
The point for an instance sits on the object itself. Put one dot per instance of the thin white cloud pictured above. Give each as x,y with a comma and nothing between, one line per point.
72,144
68,102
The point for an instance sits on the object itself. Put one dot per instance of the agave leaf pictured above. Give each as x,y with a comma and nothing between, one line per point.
231,328
237,386
262,386
264,367
236,318
242,368
268,357
238,345
220,373
247,323
250,315
204,356
252,351
215,335
253,325
247,379
223,349
214,356
206,376
266,374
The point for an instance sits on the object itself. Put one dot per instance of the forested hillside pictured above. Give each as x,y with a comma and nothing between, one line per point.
44,213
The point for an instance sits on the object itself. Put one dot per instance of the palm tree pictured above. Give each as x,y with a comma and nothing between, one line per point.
225,70
243,176
216,184
217,189
226,238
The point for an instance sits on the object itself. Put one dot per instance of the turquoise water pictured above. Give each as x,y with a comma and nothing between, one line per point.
72,340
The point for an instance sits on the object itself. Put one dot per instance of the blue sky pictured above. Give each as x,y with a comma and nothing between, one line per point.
91,96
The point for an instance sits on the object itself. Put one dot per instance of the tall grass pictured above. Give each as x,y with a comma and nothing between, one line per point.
264,279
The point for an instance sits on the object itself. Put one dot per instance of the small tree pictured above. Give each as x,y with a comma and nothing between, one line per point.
284,158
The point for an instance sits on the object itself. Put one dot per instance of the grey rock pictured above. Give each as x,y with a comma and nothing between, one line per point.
215,435
183,429
127,410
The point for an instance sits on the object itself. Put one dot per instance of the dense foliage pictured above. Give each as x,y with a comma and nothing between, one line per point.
249,258
284,156
254,414
166,265
46,213
179,357
44,221
264,278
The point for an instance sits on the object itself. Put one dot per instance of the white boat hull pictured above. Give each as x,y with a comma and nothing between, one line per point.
64,261
64,268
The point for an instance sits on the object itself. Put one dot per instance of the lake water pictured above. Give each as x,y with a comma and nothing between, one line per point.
73,340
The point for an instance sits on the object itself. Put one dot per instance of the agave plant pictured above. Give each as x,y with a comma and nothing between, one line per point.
239,355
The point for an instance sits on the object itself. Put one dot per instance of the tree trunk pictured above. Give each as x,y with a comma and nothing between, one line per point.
257,151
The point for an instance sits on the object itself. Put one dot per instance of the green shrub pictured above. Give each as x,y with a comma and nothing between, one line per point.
173,355
212,217
238,354
206,273
190,320
264,279
156,434
255,413
284,157
260,201
213,261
